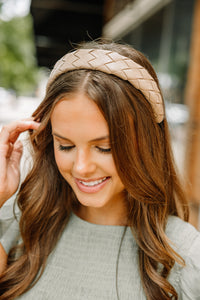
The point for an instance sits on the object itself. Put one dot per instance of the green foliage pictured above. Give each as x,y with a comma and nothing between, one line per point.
18,69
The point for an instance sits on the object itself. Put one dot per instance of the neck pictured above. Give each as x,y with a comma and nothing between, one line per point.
103,216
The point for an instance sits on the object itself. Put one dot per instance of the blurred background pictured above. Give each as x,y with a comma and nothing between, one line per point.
34,34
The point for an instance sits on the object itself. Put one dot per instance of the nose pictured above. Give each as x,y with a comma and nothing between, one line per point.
83,165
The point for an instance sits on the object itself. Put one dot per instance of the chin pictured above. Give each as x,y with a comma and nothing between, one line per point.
92,202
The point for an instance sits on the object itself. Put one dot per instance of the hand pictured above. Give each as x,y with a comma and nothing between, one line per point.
10,155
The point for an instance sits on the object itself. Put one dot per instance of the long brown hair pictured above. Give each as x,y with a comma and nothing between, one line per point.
144,161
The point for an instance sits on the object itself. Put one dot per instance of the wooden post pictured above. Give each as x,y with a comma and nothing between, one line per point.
192,99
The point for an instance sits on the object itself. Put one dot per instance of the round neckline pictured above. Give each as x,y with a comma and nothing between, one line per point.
88,224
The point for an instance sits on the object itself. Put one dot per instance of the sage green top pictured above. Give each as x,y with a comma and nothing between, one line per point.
88,263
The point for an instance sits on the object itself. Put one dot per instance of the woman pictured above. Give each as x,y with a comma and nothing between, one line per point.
103,215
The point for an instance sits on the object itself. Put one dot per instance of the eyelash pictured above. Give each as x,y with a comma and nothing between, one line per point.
65,148
68,148
103,150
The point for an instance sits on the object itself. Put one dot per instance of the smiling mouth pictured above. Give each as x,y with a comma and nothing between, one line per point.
93,183
91,186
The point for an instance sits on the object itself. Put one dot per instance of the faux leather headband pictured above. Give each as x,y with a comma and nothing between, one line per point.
113,63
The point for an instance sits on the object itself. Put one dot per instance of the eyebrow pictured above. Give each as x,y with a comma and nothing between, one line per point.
102,138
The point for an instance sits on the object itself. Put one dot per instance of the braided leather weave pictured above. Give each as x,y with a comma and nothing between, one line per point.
112,63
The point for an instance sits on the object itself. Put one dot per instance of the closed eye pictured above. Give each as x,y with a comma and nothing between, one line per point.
65,148
103,150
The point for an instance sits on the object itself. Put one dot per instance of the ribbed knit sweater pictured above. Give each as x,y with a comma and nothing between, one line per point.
88,263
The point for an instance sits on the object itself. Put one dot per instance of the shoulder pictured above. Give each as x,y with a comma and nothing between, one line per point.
185,239
182,234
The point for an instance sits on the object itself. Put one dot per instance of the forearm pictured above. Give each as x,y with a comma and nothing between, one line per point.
3,259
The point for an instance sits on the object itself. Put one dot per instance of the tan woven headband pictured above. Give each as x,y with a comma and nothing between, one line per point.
116,64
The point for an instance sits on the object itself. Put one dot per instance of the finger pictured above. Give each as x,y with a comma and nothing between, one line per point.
10,132
10,149
3,158
10,154
17,153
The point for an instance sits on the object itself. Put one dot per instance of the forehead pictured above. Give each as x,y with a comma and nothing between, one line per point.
78,113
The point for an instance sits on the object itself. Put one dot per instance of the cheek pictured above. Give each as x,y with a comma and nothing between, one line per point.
110,169
113,172
62,162
111,166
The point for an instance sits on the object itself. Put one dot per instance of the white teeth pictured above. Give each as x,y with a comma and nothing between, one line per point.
92,183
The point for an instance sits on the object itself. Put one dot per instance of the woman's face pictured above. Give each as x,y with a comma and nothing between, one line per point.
83,152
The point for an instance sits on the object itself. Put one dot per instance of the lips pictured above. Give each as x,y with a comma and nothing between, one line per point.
91,186
93,183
